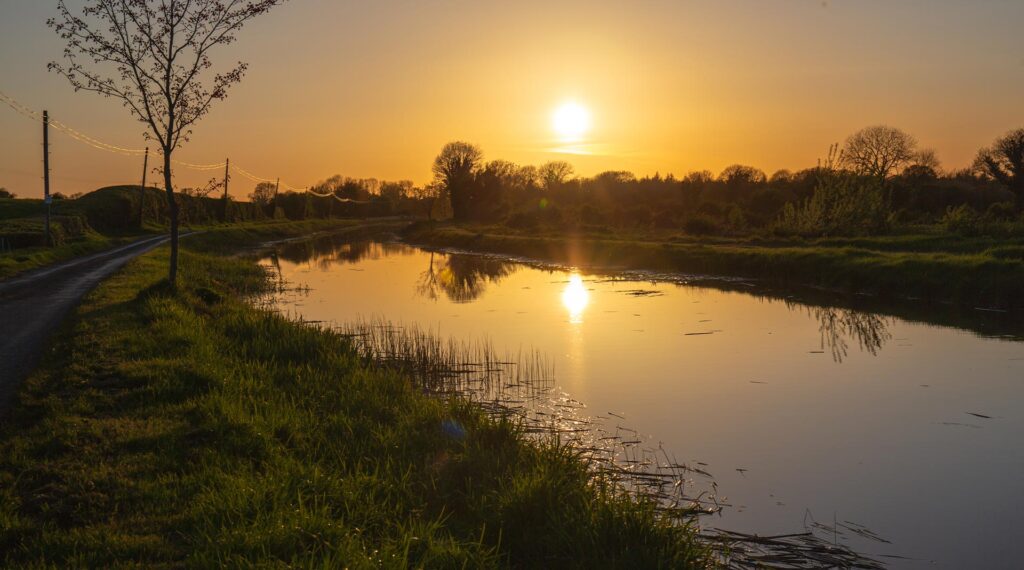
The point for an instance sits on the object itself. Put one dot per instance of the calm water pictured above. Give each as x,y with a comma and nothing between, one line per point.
801,411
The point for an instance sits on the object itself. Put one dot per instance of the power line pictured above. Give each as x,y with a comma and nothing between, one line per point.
104,146
217,166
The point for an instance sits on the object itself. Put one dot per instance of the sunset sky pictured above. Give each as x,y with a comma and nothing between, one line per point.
374,89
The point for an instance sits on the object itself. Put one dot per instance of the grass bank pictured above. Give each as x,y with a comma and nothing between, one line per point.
90,241
189,429
976,271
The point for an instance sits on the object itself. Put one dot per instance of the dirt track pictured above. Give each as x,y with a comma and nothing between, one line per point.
33,305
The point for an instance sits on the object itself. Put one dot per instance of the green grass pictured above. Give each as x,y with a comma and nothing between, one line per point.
24,259
227,236
937,267
190,429
21,208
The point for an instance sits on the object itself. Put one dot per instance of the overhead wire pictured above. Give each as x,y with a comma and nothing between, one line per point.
100,145
199,166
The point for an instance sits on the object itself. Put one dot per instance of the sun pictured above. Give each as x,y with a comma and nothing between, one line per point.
575,297
571,121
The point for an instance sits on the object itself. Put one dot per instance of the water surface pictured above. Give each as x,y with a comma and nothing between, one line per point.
803,409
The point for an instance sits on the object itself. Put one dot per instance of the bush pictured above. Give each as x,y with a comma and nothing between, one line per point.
710,209
523,221
664,219
701,226
591,215
843,204
551,215
963,220
1002,212
737,219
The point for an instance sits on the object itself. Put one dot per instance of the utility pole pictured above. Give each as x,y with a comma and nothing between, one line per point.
273,203
46,172
142,195
227,177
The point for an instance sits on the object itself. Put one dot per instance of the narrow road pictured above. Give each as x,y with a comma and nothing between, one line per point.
33,305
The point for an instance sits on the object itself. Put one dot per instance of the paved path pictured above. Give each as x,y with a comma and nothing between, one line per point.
33,305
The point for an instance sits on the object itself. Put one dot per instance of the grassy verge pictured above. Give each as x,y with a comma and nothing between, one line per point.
977,271
227,236
190,429
26,259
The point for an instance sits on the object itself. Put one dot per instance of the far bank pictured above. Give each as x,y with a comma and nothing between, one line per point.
985,272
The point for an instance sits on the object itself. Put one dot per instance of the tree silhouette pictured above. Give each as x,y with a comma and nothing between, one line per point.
454,169
742,174
555,173
878,151
1004,162
154,56
263,194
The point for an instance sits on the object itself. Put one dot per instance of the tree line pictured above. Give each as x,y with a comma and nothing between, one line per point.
878,178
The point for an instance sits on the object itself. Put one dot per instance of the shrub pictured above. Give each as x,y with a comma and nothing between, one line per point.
1002,212
664,219
701,226
710,209
636,216
523,221
963,220
551,215
843,204
591,215
737,219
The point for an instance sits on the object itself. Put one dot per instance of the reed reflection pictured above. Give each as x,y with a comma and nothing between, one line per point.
461,278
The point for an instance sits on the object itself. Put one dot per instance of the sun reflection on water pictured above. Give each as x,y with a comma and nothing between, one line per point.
575,297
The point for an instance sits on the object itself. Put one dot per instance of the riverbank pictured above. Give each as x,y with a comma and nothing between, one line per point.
972,271
189,428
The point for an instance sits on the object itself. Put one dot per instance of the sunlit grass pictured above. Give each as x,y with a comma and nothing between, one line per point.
190,429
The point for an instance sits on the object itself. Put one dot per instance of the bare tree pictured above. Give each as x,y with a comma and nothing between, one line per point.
698,177
212,185
429,194
527,177
154,56
878,151
1004,162
555,173
924,166
454,169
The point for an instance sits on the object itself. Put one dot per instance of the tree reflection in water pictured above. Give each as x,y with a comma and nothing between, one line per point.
838,326
328,250
462,278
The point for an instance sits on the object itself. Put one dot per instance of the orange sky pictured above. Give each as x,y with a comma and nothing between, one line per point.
375,89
